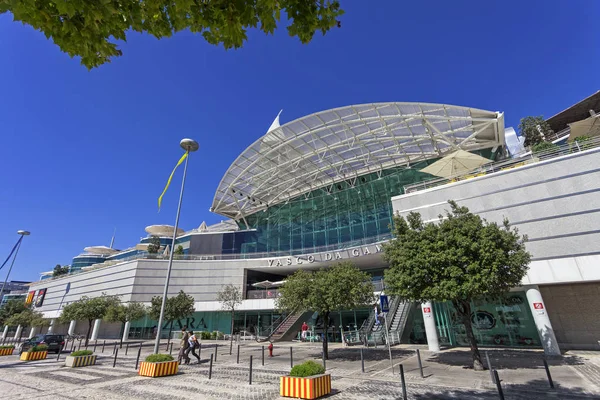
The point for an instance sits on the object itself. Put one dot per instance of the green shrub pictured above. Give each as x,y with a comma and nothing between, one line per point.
308,368
584,142
219,335
205,335
7,346
39,347
154,358
544,147
82,353
213,335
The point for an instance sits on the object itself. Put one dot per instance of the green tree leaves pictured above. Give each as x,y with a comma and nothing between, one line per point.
458,259
88,309
89,29
58,270
531,128
154,245
11,308
27,318
125,312
177,307
340,287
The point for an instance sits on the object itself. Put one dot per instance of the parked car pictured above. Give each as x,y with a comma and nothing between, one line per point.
54,342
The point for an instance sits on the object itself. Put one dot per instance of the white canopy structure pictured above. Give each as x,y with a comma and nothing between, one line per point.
103,250
163,230
343,143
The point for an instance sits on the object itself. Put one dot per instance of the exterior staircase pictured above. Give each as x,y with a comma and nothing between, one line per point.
287,328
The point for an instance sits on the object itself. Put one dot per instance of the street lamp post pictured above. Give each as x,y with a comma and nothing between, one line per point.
189,146
22,233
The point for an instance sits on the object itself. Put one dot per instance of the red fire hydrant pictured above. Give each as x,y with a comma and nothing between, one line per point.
270,349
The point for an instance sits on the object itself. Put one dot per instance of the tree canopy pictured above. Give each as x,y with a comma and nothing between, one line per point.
177,307
461,258
27,318
530,128
88,309
340,287
58,270
125,312
230,298
91,29
11,308
154,245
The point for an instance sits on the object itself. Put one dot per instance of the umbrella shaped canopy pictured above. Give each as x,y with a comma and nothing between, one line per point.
455,164
587,127
267,284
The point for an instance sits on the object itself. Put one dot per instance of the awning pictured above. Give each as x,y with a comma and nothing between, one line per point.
587,127
455,164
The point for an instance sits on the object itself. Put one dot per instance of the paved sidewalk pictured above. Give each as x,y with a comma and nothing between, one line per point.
576,375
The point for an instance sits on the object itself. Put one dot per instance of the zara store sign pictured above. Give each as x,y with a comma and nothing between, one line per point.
327,256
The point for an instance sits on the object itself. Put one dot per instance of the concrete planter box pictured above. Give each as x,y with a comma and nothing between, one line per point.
310,387
80,361
7,352
154,370
33,355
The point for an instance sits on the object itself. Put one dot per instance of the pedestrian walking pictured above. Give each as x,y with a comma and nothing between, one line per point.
304,331
193,342
183,346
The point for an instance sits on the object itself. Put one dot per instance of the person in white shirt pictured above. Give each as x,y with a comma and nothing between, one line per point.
193,341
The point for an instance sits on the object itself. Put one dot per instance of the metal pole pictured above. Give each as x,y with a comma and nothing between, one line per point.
216,348
291,357
137,360
58,356
250,376
115,361
95,344
126,348
548,374
103,344
263,355
498,385
362,361
11,265
171,349
210,367
387,338
171,253
324,365
420,363
487,357
238,354
404,394
199,352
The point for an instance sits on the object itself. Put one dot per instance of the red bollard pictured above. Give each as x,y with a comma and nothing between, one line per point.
270,349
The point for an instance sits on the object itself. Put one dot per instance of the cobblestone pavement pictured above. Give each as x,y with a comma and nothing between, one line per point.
49,379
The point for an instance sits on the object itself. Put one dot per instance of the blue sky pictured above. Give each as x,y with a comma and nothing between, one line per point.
85,152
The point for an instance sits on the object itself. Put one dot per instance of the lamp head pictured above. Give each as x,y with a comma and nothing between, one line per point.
23,233
189,145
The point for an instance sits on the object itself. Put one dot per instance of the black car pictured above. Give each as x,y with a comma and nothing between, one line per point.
54,342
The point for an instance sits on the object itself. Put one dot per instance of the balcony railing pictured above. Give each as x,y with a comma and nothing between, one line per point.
263,294
519,160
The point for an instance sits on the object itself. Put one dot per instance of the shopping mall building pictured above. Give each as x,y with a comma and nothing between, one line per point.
324,188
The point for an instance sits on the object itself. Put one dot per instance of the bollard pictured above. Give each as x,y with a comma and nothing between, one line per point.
420,364
210,367
291,357
216,351
199,352
487,357
95,344
171,349
137,360
126,348
362,361
548,374
58,356
263,356
115,349
250,376
324,365
79,345
403,381
87,344
73,346
498,385
103,343
115,361
238,354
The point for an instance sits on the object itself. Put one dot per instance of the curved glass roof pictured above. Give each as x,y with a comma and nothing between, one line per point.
330,146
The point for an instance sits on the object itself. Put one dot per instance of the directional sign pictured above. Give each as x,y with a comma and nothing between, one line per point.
385,305
538,306
427,310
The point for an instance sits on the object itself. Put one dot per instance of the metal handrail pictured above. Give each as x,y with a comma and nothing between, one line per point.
520,159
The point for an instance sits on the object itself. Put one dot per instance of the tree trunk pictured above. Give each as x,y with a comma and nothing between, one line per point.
463,308
87,336
231,336
326,331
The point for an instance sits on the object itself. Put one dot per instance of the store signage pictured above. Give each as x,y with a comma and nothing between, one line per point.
385,304
39,301
329,256
427,310
29,298
483,320
538,306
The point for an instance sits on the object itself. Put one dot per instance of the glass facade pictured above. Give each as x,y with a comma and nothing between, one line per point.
355,210
506,321
85,261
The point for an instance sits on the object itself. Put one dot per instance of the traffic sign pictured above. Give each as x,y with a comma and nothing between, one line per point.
538,306
427,310
385,305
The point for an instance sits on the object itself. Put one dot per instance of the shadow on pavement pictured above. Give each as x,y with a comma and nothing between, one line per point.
504,359
371,354
535,389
